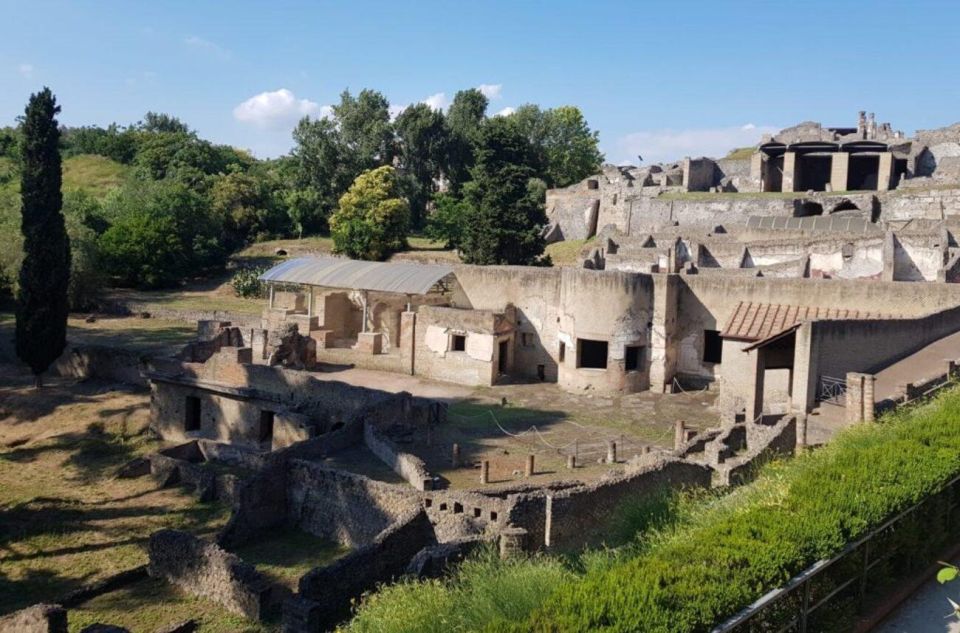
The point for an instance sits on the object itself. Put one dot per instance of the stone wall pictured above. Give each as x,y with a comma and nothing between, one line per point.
259,504
409,466
101,362
327,593
39,618
204,569
340,506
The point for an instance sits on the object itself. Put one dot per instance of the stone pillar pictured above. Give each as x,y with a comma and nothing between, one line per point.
839,171
679,434
854,397
485,472
885,171
513,540
408,340
455,456
869,398
801,430
756,171
571,462
889,257
662,343
754,404
789,171
611,452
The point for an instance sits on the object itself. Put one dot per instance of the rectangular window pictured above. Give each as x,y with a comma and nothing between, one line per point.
712,346
591,354
458,343
266,426
191,414
633,357
563,351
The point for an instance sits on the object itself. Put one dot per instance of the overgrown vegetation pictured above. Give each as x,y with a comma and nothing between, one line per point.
695,564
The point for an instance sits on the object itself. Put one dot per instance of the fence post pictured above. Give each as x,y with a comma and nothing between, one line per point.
804,606
863,576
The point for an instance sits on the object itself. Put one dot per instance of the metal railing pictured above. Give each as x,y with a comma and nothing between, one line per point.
843,581
830,389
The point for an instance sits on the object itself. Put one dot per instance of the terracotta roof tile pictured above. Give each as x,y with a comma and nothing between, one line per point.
758,321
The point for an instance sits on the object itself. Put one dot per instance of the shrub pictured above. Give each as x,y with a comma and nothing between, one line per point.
373,219
246,282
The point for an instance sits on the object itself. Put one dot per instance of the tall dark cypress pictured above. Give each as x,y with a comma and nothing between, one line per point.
45,272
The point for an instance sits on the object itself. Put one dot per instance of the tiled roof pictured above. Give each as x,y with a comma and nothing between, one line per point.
759,321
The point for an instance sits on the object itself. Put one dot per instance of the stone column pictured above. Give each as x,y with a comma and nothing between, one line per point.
889,257
679,434
408,341
801,430
611,452
571,461
839,171
755,392
531,466
789,171
455,456
854,397
885,171
757,174
662,345
485,472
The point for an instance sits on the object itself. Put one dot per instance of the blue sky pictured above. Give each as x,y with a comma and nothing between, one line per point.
661,79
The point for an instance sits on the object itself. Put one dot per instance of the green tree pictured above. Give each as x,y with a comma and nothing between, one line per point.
321,166
163,123
373,218
504,214
245,204
363,124
566,150
465,119
422,143
447,221
41,312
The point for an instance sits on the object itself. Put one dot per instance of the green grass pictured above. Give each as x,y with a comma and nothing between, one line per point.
286,556
568,252
696,562
96,175
151,604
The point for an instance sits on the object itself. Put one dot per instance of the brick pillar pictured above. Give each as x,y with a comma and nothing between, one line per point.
869,398
789,171
485,472
408,341
679,434
839,171
662,344
801,430
512,542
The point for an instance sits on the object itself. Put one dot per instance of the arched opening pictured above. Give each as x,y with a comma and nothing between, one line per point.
809,208
844,205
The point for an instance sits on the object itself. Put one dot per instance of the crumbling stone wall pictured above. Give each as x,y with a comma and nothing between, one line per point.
409,466
39,618
204,569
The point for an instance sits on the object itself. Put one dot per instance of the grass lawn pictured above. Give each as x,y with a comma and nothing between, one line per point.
569,252
141,335
94,174
65,519
148,605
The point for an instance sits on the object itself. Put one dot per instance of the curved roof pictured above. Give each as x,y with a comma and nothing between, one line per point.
400,277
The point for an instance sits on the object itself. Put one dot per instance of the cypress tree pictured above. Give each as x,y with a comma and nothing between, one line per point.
45,272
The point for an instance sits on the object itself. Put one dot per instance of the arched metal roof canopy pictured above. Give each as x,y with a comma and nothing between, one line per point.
329,272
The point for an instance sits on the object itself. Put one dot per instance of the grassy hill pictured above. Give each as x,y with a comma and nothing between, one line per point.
96,175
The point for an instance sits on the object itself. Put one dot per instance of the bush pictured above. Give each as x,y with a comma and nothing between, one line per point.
246,282
373,220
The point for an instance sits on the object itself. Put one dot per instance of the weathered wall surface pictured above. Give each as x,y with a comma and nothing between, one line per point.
409,466
204,569
535,293
343,507
327,593
476,364
39,618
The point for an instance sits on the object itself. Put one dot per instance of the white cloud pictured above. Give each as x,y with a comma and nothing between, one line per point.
505,112
658,146
207,47
490,91
437,101
26,70
278,109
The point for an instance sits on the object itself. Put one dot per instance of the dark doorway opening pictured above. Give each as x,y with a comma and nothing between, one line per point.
502,357
814,172
862,173
266,426
458,343
591,354
808,209
191,414
633,357
712,346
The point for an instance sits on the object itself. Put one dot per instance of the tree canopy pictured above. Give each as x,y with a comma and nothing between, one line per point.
373,219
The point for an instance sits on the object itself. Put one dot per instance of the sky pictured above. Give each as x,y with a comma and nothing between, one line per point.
658,80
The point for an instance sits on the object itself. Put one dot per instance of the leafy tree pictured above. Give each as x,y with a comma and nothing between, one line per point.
41,332
373,219
447,221
305,210
246,207
504,215
465,120
322,168
364,127
566,150
115,142
10,143
163,123
423,142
